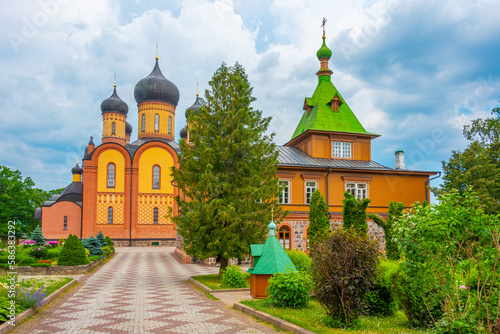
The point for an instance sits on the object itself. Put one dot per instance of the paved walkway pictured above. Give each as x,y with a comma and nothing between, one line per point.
141,290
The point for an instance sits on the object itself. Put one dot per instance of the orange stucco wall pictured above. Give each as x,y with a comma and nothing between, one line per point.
53,220
320,145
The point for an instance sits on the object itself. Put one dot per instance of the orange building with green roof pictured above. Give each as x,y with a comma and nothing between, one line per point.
330,150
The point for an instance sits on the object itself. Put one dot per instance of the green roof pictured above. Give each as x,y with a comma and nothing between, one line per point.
322,117
273,258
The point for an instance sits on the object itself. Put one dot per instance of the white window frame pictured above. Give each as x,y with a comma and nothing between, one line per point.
309,189
358,189
111,175
284,193
341,149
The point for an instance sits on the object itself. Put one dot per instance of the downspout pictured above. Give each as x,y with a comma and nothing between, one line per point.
327,197
130,201
427,183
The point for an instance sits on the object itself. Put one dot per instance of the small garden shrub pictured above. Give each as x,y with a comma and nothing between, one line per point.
93,245
53,253
41,265
233,278
344,269
39,252
100,239
37,236
52,244
289,289
108,249
61,242
109,242
30,297
94,257
27,261
379,299
72,253
300,260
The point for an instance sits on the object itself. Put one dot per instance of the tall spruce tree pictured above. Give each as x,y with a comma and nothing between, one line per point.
354,213
37,236
319,217
226,173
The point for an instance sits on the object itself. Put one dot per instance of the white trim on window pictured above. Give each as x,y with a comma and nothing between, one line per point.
284,192
358,190
310,186
341,149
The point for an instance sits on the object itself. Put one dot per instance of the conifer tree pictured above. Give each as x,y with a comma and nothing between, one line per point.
319,217
227,172
100,239
93,246
354,213
37,236
395,213
72,253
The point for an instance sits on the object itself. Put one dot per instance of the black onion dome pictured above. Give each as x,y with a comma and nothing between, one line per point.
195,107
128,128
155,87
77,169
184,133
114,104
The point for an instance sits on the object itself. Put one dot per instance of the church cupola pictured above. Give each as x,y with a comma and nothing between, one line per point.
77,172
324,54
156,98
191,111
114,115
128,132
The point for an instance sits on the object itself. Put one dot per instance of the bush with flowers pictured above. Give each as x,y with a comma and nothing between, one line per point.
39,253
52,244
28,243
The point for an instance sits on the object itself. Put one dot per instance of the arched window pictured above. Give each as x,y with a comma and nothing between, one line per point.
143,122
157,122
169,125
284,237
155,216
156,177
65,226
110,215
111,175
113,128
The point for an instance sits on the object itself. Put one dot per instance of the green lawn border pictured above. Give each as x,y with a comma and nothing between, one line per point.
207,289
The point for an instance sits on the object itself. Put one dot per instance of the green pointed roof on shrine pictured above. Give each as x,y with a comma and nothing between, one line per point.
321,117
270,258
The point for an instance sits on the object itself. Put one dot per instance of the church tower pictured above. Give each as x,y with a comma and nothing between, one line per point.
114,116
156,98
194,109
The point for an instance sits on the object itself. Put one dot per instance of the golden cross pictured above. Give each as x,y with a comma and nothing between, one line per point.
156,50
196,88
323,25
115,80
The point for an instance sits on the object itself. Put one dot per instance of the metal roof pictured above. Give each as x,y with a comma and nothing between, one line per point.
295,157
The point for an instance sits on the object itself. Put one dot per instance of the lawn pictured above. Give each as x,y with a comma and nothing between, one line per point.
51,283
312,317
213,281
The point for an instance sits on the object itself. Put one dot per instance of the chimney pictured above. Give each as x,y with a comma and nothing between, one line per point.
400,159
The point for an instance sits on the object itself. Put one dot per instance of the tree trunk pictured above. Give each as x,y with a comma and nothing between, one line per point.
223,264
497,327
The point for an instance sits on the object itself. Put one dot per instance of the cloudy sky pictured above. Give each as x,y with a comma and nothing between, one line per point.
413,71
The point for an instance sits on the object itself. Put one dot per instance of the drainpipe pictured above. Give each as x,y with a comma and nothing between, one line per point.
130,201
327,197
427,183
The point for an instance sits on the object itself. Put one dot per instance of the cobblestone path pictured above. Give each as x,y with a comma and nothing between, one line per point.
141,290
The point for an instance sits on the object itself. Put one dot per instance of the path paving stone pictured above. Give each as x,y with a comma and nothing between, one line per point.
141,290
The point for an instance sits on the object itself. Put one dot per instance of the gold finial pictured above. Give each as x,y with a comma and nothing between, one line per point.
77,161
196,88
115,81
323,25
156,51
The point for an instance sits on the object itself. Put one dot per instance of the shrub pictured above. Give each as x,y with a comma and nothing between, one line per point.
28,243
30,297
233,277
354,213
300,260
39,252
395,212
41,264
289,289
94,257
380,299
109,242
72,253
27,261
93,246
319,218
344,269
108,249
52,244
53,253
37,236
61,242
100,239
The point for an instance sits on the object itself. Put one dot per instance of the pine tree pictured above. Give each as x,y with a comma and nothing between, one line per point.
37,236
228,172
100,239
72,253
319,218
395,212
93,246
354,213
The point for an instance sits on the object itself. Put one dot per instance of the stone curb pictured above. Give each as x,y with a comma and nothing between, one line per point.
207,289
280,323
6,327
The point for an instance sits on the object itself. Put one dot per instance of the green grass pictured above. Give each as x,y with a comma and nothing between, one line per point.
51,283
213,281
312,318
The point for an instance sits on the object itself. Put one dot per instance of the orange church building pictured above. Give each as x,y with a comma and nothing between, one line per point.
127,188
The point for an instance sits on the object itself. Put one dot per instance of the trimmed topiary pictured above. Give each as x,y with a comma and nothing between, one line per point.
93,245
319,218
100,238
72,253
37,236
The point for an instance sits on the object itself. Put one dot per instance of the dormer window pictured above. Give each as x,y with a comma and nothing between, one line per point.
335,103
